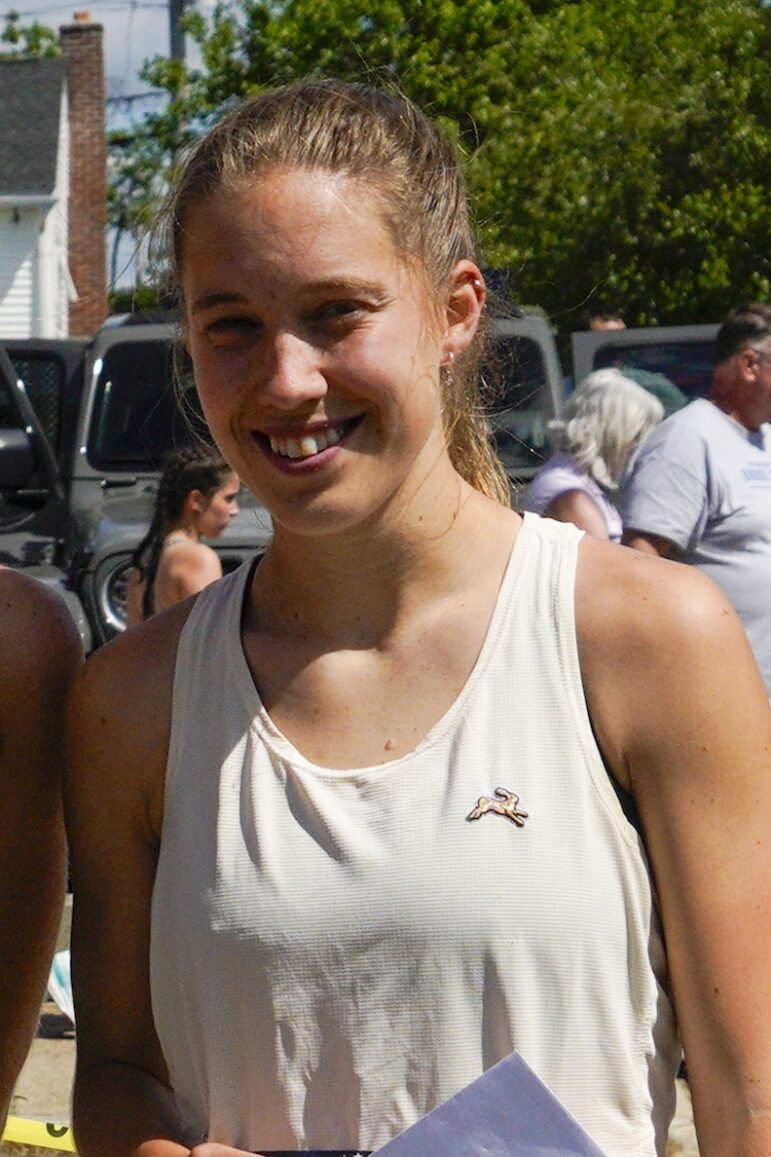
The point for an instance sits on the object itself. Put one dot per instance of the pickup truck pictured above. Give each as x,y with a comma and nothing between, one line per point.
84,425
681,354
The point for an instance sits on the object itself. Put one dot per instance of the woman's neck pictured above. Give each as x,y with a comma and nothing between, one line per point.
362,587
188,530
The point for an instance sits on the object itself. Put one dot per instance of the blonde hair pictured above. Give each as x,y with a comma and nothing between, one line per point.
602,421
383,140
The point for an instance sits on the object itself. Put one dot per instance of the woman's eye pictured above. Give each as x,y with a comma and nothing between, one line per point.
336,311
231,328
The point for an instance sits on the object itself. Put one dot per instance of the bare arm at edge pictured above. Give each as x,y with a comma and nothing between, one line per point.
119,723
579,508
649,543
39,654
118,734
683,720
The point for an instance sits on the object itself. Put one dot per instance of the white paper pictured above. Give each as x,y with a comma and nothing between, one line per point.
507,1112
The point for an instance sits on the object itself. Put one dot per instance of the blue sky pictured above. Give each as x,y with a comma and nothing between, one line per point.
132,32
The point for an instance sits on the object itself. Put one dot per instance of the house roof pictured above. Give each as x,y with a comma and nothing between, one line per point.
30,110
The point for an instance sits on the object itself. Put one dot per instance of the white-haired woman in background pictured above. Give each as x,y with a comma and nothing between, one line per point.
602,423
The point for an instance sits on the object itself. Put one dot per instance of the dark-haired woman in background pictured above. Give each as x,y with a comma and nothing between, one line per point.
197,497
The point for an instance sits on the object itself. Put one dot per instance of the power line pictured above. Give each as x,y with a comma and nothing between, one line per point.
131,97
121,6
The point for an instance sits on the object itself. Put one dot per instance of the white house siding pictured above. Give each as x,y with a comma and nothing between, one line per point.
35,283
54,282
18,272
62,286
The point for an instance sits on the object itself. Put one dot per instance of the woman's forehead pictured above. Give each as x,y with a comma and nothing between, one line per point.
310,199
294,224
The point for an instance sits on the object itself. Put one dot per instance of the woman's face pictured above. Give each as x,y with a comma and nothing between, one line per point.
315,348
220,509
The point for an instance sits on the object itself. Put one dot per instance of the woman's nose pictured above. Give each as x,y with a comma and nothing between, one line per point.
292,374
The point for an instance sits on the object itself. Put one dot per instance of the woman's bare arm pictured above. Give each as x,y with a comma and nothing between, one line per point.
119,720
579,508
39,654
118,736
135,589
683,720
649,543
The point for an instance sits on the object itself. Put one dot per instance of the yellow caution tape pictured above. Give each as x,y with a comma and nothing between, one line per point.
40,1134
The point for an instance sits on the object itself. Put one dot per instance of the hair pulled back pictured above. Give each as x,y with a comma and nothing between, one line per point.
383,140
195,467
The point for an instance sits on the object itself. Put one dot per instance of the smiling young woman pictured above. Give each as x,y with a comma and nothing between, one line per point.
325,917
320,376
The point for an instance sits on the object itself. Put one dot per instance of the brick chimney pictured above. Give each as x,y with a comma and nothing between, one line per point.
81,45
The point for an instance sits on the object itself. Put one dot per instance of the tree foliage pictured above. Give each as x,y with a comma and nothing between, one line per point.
33,39
612,149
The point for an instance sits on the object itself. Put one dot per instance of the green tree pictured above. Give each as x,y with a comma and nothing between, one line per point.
138,167
27,39
612,148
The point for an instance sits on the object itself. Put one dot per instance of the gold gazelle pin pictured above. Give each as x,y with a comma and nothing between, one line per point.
506,804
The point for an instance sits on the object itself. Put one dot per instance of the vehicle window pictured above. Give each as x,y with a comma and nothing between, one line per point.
519,404
44,377
17,505
9,413
138,413
687,365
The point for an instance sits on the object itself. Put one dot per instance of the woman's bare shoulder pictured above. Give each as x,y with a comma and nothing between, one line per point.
185,569
624,596
121,702
135,670
192,557
32,613
39,641
119,723
661,649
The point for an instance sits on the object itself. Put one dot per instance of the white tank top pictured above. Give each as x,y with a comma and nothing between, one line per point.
334,953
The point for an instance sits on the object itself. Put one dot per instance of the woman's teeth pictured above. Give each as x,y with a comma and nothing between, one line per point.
306,446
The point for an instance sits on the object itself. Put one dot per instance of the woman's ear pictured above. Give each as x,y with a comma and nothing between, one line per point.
196,502
465,302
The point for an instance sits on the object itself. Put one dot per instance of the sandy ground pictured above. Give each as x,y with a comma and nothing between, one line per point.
43,1089
682,1137
43,1092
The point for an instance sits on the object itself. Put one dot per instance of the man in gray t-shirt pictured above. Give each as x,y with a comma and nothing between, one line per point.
700,488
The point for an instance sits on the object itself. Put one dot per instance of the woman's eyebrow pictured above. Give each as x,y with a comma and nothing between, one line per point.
347,285
328,285
208,300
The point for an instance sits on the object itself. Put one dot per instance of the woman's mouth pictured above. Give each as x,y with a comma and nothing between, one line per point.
309,445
